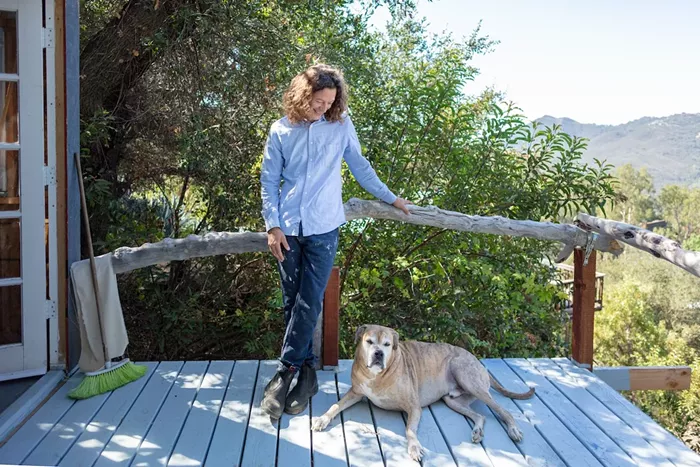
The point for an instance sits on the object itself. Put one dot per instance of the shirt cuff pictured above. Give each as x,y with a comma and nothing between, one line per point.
272,222
389,198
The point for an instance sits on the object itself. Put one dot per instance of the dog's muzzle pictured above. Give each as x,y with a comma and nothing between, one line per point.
377,359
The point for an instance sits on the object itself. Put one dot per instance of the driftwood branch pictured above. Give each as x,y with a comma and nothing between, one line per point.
193,246
223,243
657,245
429,215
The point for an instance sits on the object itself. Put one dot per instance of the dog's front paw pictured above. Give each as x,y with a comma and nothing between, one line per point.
321,423
477,435
415,450
515,434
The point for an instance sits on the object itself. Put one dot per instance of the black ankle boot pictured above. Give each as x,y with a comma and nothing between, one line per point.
307,387
276,393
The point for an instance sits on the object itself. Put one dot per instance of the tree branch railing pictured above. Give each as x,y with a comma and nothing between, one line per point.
590,234
223,243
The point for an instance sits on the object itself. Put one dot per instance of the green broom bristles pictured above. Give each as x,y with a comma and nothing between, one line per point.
92,385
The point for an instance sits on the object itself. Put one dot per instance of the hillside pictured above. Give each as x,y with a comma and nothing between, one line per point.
669,146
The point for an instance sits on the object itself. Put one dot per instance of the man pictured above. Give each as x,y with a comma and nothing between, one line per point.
304,151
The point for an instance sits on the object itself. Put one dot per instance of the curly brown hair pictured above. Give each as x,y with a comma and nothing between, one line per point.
297,98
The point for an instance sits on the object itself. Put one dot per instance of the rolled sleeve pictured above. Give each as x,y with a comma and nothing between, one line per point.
270,177
362,170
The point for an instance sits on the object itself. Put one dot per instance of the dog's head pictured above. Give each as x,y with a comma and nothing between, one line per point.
375,346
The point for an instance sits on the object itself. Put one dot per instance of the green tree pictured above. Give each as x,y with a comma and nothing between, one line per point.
635,201
680,207
630,331
192,164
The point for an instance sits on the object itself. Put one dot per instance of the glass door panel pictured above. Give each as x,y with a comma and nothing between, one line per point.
23,343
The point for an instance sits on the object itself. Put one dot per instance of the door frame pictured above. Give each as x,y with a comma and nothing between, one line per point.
29,358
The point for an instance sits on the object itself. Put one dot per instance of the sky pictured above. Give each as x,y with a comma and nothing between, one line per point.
595,61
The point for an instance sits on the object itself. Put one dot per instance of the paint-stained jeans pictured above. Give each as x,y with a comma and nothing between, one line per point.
304,275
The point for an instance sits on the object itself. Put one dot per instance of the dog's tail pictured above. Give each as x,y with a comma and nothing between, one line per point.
513,395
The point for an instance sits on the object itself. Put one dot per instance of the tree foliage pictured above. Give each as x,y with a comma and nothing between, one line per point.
179,150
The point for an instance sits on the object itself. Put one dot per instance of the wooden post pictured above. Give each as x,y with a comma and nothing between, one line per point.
583,309
331,320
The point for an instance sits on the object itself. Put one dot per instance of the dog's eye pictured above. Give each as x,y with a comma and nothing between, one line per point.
387,344
369,341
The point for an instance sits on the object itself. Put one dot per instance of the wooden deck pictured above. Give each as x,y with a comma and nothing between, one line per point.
207,413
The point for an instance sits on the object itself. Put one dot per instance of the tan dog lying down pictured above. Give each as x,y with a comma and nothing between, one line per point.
411,375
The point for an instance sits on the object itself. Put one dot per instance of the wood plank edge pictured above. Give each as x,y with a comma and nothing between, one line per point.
21,410
641,378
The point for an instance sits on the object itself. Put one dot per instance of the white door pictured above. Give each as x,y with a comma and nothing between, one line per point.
23,341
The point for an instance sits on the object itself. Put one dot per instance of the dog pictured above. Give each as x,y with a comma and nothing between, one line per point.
410,375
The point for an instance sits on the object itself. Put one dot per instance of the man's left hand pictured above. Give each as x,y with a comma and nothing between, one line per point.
402,204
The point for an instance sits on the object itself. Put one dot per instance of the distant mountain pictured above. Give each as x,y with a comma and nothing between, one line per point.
669,147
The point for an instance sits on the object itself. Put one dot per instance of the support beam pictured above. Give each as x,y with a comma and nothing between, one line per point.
331,320
626,378
584,309
653,243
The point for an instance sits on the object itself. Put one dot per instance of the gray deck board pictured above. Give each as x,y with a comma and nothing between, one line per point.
208,413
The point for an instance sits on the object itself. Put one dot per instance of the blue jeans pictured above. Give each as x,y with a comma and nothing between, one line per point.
304,275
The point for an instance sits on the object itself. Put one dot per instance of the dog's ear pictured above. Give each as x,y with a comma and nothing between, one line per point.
358,334
395,338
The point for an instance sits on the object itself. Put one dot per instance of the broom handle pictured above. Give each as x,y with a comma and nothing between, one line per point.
93,269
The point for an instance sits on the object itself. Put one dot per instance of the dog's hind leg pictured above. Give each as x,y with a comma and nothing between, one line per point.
461,405
513,431
477,383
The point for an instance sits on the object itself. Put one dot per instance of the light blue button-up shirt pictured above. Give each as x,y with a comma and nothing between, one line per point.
306,158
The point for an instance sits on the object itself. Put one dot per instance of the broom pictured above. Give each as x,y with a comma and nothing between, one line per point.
118,371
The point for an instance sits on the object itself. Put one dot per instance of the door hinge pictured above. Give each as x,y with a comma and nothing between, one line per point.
50,309
49,175
47,38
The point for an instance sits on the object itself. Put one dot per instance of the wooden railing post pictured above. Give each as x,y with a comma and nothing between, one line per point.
331,320
583,309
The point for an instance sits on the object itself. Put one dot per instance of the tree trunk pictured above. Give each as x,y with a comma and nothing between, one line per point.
114,60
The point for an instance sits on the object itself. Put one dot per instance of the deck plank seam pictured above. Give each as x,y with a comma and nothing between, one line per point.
518,446
155,415
376,429
538,428
189,411
46,433
118,424
342,419
218,413
250,412
598,423
562,420
611,409
444,438
184,421
311,432
278,426
187,416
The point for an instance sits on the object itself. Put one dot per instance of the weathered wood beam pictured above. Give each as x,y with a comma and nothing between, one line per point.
643,378
223,243
193,246
657,245
568,234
